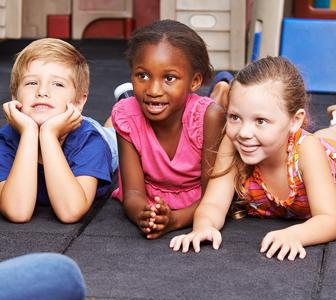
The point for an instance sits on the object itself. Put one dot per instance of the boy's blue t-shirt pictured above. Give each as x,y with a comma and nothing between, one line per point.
85,150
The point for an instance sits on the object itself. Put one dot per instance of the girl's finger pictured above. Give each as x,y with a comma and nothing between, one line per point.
302,252
292,254
176,242
217,240
283,252
196,241
266,242
274,248
186,242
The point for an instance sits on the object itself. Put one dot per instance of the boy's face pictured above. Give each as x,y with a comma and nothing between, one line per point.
45,89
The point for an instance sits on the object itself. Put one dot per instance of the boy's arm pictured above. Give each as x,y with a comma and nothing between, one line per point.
70,196
18,191
133,184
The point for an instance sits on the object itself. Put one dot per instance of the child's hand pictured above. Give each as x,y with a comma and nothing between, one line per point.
196,237
16,118
146,219
162,218
284,241
64,123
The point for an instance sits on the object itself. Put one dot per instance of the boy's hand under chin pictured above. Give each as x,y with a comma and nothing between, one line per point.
20,121
62,124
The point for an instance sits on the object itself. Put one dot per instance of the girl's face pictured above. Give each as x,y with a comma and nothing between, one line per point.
162,79
45,89
258,123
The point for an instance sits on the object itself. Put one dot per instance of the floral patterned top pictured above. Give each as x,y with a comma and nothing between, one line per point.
262,203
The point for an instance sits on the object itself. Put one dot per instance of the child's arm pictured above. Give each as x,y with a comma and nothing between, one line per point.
18,191
133,185
70,196
210,214
321,192
168,220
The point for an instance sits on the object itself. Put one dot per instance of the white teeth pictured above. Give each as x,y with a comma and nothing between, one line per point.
41,107
158,105
156,108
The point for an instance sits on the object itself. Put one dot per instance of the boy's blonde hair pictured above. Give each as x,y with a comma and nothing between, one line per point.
52,50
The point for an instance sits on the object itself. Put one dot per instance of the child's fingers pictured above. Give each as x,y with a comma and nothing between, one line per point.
13,107
266,242
186,243
144,215
274,248
161,220
283,252
176,242
297,250
73,114
196,242
302,252
293,253
145,229
5,108
158,227
217,239
163,209
143,223
153,236
158,200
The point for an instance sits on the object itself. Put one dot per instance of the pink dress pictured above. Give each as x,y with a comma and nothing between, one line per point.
177,181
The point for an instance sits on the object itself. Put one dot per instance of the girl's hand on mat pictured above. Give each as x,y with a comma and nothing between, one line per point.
195,238
283,241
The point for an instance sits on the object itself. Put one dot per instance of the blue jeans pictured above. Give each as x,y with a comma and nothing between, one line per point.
41,276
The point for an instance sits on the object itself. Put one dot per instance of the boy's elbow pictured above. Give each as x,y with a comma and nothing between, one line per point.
15,217
69,217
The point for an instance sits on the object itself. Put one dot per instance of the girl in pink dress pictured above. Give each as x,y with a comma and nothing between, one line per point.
167,135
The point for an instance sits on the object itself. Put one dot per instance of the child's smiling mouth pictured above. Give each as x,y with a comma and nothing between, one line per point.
155,108
41,106
248,149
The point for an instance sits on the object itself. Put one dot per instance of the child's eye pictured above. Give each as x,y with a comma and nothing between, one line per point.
31,83
143,76
170,78
233,117
58,84
261,121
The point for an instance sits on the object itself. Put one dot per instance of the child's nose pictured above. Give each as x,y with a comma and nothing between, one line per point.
246,131
154,88
42,91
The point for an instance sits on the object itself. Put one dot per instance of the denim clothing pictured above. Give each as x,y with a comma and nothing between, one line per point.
41,276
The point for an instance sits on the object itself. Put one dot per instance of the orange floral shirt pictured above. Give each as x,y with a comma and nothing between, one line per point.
263,204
